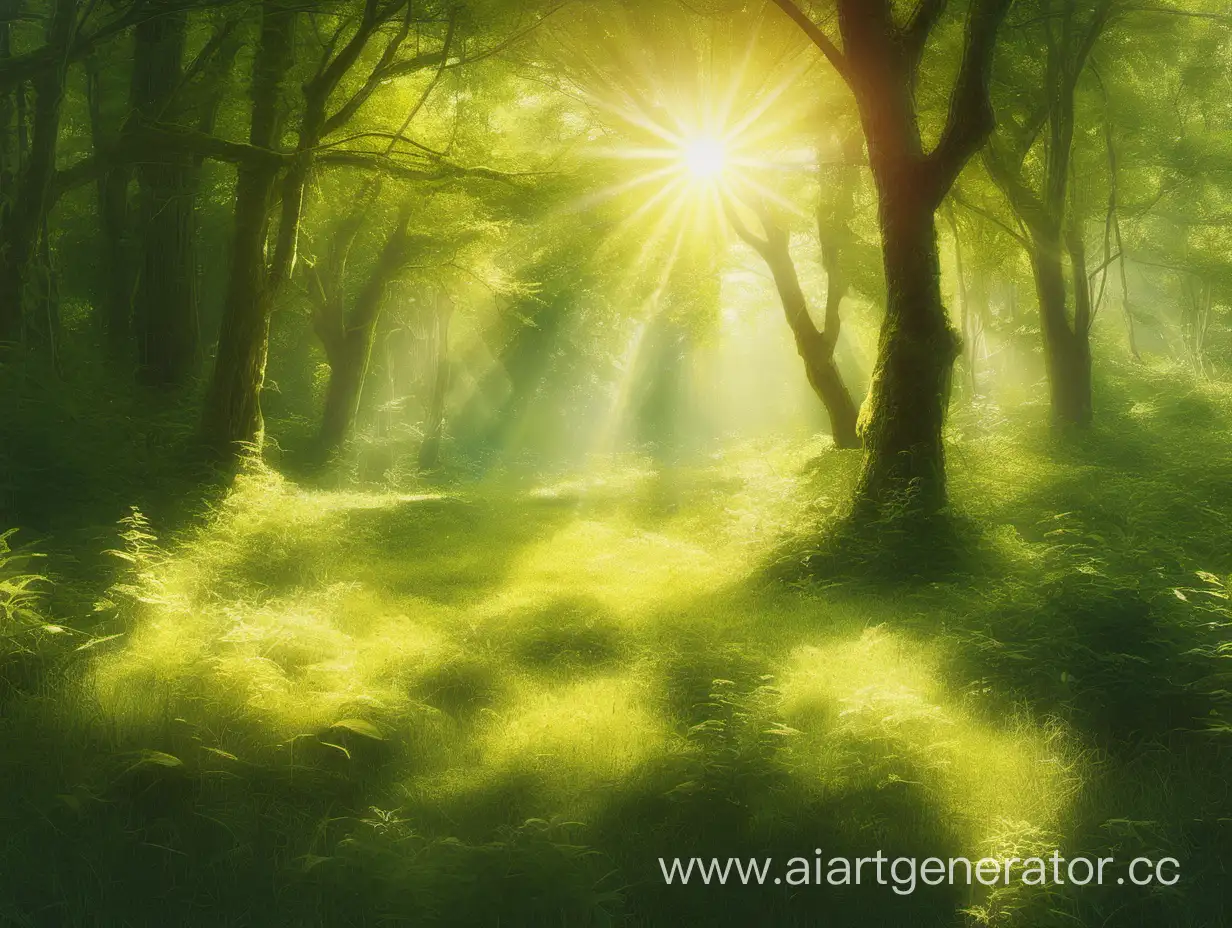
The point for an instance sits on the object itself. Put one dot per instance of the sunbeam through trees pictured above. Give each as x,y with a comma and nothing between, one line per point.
615,463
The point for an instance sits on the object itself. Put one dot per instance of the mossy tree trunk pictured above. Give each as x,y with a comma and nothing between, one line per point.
905,464
232,412
904,459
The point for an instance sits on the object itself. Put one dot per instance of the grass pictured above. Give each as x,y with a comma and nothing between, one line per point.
500,702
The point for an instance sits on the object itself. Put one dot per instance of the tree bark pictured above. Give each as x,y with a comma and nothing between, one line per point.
905,463
32,191
232,415
165,311
112,186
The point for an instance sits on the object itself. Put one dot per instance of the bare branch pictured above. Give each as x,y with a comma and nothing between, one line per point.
991,217
815,34
439,169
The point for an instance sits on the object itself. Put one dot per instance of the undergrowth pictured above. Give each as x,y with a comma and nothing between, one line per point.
500,701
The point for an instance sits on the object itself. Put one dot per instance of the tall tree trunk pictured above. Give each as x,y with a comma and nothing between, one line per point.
165,312
19,238
232,412
904,460
348,366
112,187
1127,308
1067,355
1054,207
905,463
434,419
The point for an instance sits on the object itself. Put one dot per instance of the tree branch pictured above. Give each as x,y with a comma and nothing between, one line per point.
759,245
920,27
991,217
815,34
971,119
439,169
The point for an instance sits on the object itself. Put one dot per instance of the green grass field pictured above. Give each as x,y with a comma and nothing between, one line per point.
501,701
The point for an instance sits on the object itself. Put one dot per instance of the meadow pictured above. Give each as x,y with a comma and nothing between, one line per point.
499,700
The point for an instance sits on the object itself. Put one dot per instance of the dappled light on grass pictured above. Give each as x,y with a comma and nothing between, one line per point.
511,669
574,741
873,712
627,569
564,656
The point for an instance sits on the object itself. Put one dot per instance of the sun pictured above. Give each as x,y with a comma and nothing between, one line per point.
705,158
692,150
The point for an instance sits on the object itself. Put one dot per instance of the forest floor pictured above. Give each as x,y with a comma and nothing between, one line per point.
502,701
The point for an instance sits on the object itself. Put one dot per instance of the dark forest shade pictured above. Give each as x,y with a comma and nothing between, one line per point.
25,213
165,310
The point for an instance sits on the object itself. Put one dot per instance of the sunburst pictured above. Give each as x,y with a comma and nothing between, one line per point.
727,140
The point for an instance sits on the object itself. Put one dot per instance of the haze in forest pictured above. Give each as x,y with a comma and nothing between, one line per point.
458,454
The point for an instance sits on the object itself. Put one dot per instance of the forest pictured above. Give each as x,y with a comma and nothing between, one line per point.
615,463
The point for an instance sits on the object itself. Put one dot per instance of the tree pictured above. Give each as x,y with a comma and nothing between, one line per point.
880,61
233,412
815,346
347,334
165,309
1052,213
434,420
25,216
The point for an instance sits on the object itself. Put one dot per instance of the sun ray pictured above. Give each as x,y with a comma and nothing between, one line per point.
693,143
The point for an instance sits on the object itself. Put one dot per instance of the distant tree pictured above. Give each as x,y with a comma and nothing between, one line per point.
24,214
815,346
1050,209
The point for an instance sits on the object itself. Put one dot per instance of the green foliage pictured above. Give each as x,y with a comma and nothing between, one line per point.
22,626
629,617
